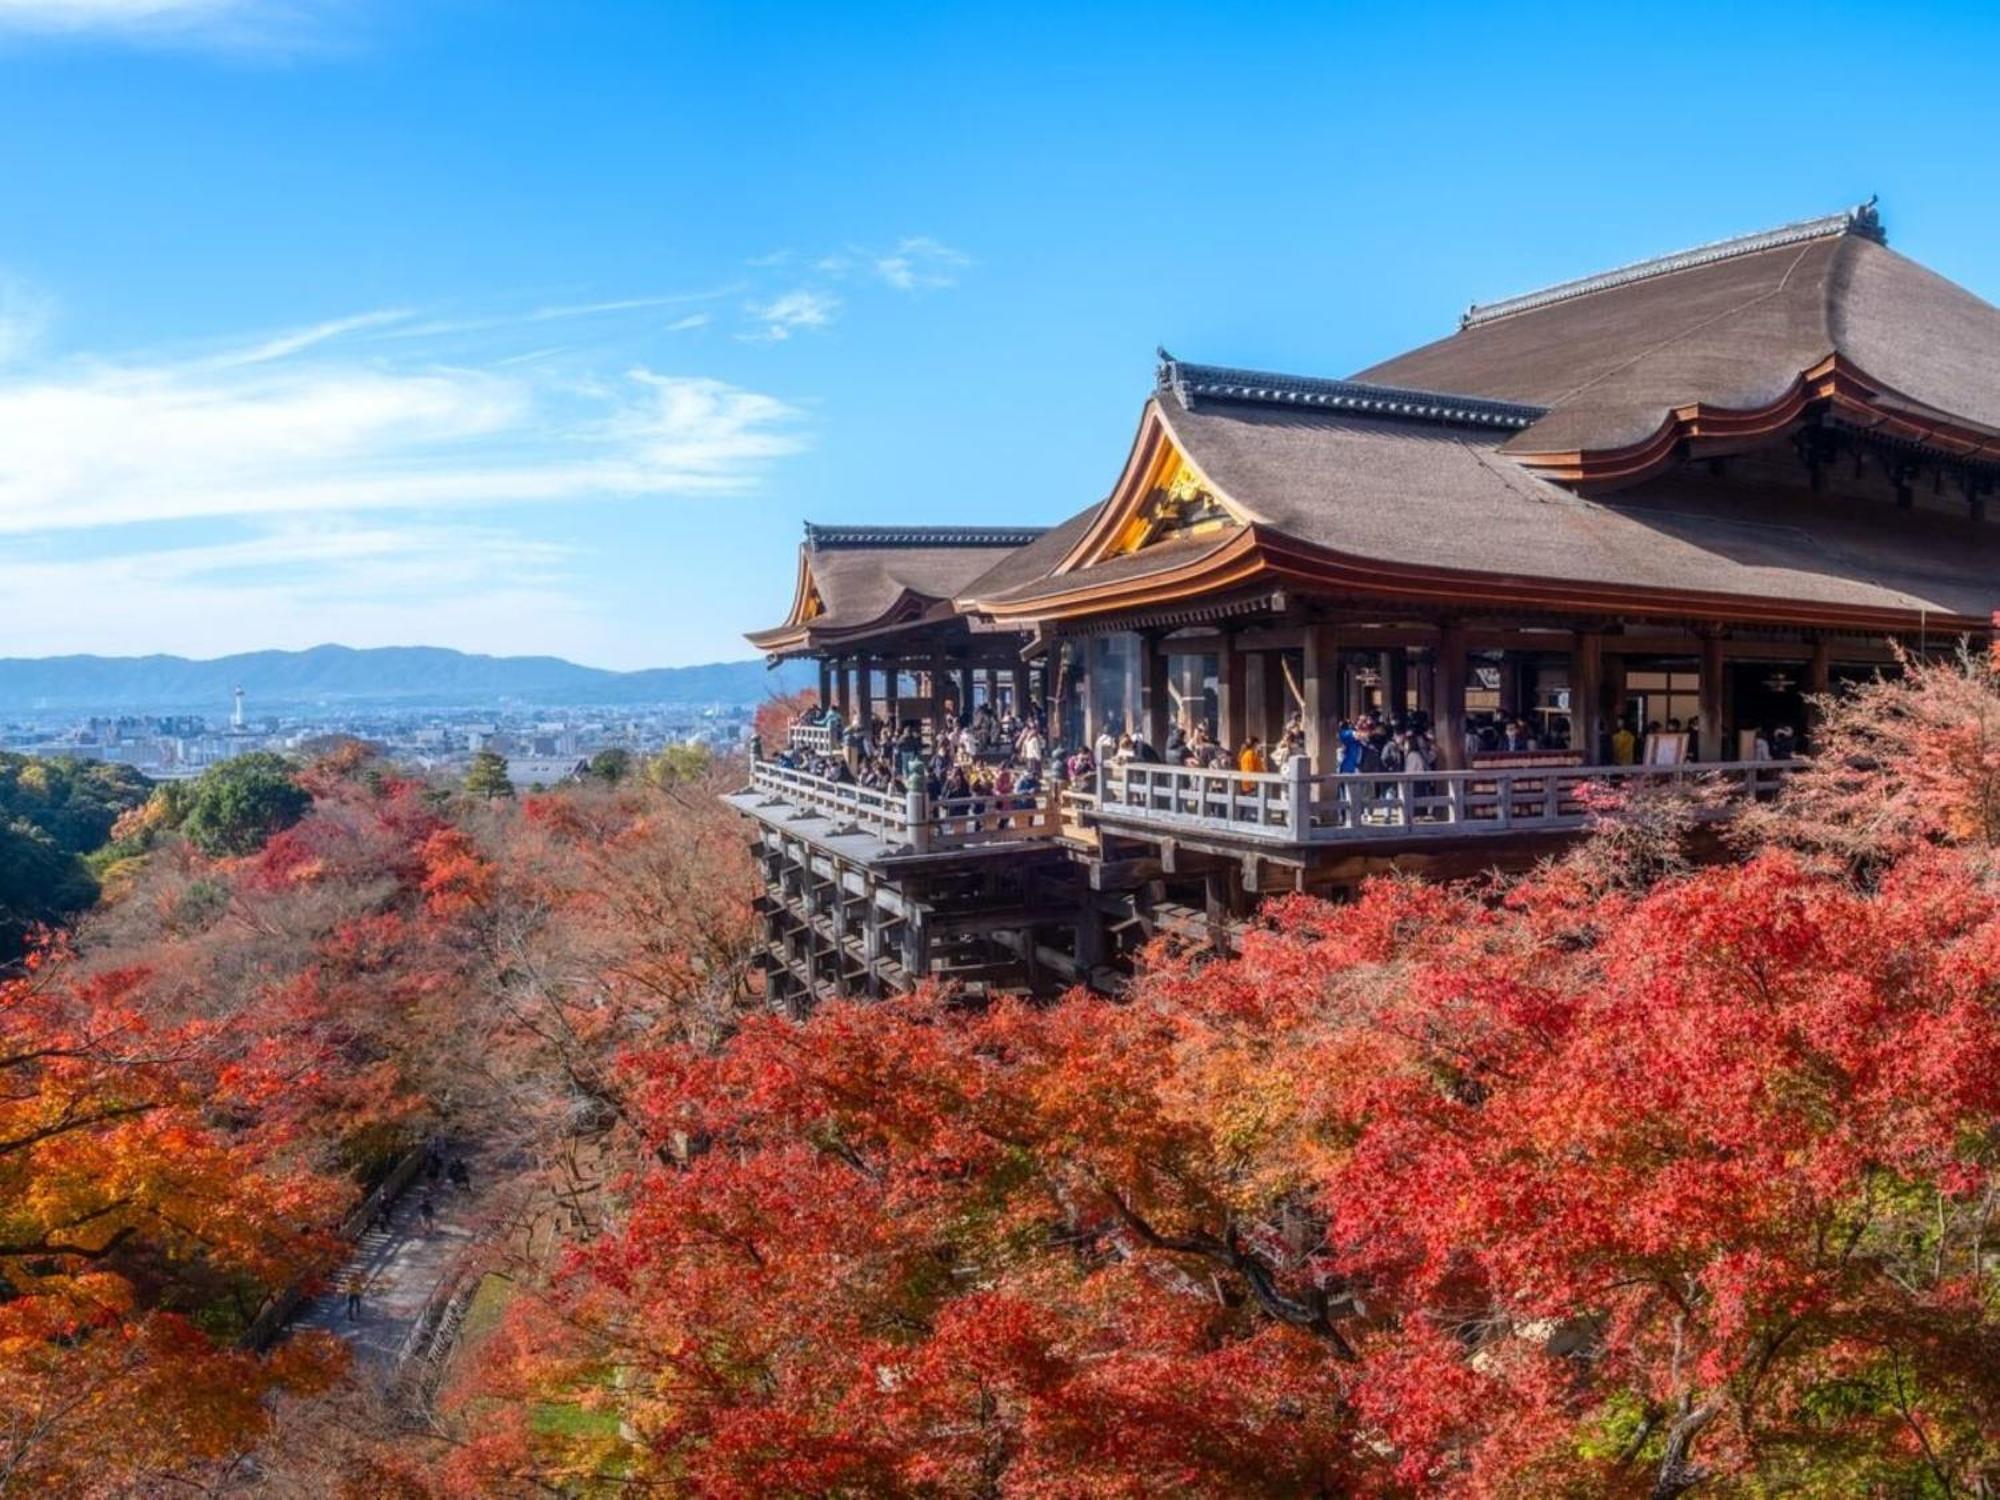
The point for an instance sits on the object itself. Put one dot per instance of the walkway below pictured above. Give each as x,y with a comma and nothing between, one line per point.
403,1263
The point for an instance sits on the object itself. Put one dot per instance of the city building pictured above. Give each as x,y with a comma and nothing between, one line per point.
1670,501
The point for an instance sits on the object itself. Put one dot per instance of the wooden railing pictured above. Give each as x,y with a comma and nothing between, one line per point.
1294,806
1255,802
912,820
821,739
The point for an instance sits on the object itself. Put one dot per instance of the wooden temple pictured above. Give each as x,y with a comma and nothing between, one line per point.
1691,492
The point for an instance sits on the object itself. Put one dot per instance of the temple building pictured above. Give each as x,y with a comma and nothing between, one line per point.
1646,514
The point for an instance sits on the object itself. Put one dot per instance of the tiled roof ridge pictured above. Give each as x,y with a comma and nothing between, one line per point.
1861,220
1190,382
921,536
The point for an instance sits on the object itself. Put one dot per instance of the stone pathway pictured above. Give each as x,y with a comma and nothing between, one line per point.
403,1262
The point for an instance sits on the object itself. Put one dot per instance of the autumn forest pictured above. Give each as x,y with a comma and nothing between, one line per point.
1644,1174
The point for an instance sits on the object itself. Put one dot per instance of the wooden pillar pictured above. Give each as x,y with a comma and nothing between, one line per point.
966,674
1586,693
1232,693
1819,682
1396,681
1130,682
1322,690
1021,705
1712,737
865,676
825,682
1450,727
1159,703
1257,694
940,687
1087,689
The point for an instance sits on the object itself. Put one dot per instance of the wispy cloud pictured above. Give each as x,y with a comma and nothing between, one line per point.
25,314
784,315
298,340
692,320
295,423
437,328
920,263
233,24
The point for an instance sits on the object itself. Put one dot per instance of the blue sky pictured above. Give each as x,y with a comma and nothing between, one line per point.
529,327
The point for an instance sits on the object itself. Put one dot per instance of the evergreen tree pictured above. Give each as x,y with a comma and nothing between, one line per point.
487,776
234,807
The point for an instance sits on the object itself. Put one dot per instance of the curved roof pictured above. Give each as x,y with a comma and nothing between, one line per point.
1394,507
854,580
1735,327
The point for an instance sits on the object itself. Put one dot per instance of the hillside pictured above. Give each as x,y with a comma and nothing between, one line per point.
344,676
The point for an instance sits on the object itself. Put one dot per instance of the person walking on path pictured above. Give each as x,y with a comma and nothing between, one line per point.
429,1210
354,1284
460,1174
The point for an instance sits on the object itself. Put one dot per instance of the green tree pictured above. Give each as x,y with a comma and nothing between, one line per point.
234,807
75,802
679,763
40,885
612,765
487,776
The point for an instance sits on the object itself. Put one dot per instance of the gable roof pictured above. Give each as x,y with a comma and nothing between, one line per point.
1388,508
1727,342
854,580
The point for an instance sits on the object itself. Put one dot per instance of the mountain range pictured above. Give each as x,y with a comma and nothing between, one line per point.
344,677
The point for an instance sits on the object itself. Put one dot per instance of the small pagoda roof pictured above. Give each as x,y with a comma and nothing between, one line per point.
854,581
1729,338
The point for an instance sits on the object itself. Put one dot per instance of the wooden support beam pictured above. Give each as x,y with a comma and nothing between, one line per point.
1158,701
1322,690
1450,726
1712,699
865,676
1257,694
1232,691
1819,682
1396,680
1586,694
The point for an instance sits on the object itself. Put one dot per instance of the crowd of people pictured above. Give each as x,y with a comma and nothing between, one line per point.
989,753
995,752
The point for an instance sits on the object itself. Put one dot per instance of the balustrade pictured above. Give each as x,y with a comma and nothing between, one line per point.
1292,806
821,739
1295,806
911,819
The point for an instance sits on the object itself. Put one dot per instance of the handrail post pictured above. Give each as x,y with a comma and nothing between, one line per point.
917,814
1298,796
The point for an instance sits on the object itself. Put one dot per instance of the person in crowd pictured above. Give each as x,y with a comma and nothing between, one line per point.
1250,759
1350,748
1031,749
1624,744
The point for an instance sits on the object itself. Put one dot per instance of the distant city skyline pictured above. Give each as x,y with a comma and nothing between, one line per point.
537,329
